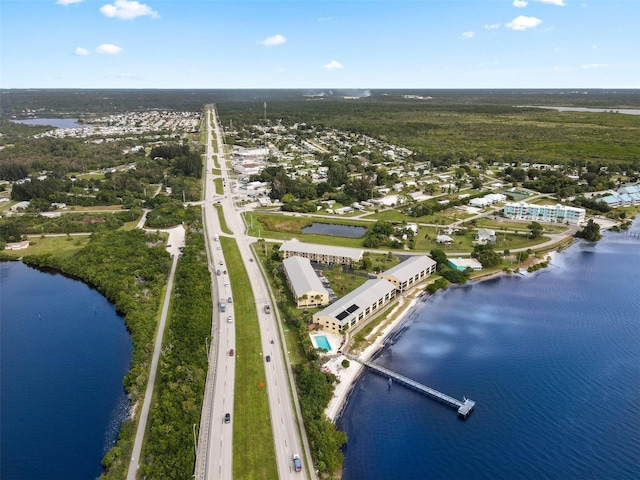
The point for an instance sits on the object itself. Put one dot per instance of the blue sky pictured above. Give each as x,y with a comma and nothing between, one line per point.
319,44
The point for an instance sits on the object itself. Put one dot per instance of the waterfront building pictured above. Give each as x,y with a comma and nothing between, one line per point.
462,264
327,254
411,271
544,213
624,197
304,284
353,308
17,245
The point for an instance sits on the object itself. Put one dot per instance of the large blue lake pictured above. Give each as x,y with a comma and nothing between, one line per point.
54,122
552,360
64,352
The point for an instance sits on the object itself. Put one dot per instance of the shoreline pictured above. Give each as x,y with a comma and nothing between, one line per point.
347,378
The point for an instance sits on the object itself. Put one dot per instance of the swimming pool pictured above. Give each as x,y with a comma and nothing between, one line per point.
322,342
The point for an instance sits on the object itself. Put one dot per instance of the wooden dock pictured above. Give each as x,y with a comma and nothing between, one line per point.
464,407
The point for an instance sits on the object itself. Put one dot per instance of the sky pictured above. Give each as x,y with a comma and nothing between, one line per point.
417,44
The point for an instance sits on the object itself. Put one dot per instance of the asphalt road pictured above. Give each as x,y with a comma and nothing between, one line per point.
215,453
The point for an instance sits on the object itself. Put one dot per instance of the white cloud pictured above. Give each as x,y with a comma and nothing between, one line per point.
559,3
520,3
274,40
127,10
595,65
468,34
81,51
493,26
333,65
109,49
523,23
68,2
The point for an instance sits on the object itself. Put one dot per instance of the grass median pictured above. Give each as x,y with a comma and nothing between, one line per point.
222,220
253,447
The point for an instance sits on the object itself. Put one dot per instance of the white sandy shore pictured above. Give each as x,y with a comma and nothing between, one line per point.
348,376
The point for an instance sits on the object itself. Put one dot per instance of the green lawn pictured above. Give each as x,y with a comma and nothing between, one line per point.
63,247
343,283
253,447
395,216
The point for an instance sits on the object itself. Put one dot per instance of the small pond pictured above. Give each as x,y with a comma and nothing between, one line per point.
335,230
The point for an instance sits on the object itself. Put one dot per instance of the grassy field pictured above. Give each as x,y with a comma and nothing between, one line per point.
396,216
6,205
63,247
97,208
286,227
223,222
253,447
343,283
219,188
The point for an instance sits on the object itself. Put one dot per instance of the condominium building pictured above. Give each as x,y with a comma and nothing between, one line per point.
411,271
544,213
356,306
304,284
321,253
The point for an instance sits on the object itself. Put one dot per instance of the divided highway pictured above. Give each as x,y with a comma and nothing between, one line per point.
214,458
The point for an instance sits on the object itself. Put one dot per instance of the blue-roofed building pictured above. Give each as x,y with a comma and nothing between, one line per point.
624,197
630,189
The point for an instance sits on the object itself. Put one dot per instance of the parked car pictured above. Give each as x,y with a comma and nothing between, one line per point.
229,319
229,300
231,352
268,358
227,417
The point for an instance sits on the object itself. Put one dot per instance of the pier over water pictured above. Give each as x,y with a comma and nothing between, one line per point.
464,407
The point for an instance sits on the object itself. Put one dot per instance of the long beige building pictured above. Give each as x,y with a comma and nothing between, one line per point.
321,253
304,284
356,306
411,271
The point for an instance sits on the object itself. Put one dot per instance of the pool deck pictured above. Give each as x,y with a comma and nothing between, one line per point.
334,340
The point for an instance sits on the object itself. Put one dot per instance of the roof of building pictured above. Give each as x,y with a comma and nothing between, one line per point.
350,306
465,262
302,276
630,189
486,232
444,239
312,248
410,267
